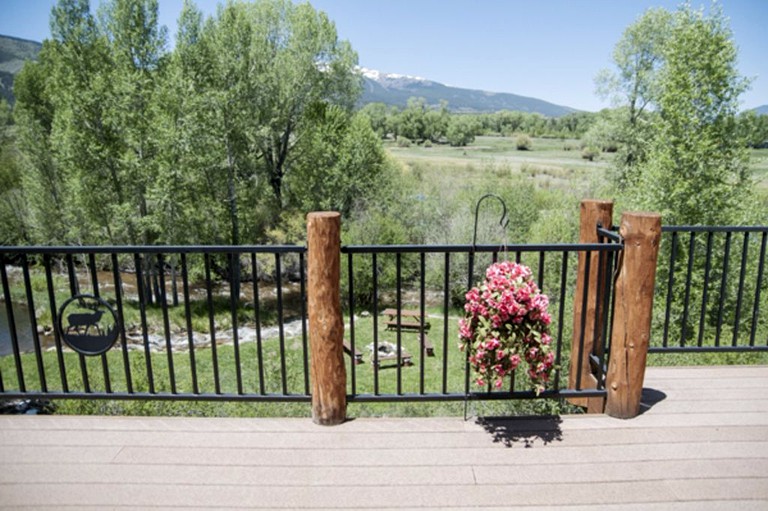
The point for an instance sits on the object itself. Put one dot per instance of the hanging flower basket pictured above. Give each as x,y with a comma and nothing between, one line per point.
506,324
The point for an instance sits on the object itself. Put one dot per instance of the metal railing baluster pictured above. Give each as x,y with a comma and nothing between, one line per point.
758,288
188,320
54,323
166,323
211,323
143,312
33,324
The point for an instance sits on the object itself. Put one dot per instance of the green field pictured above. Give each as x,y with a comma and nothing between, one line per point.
551,163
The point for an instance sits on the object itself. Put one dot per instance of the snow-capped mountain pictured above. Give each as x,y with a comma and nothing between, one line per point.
395,89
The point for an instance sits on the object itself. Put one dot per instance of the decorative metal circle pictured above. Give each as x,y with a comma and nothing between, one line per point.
88,324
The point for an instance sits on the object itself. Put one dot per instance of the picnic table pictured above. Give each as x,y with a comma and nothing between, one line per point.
410,321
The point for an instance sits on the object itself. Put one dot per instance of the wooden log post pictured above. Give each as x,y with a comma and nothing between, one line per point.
326,325
632,313
587,324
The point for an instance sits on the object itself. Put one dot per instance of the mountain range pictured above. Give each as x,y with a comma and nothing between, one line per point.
395,89
390,89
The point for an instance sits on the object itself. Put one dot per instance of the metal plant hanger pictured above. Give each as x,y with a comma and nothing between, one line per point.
503,221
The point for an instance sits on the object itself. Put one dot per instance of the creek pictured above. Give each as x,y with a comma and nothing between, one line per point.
23,331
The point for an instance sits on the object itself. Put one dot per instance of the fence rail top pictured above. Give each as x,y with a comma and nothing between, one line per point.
155,249
293,249
557,247
714,228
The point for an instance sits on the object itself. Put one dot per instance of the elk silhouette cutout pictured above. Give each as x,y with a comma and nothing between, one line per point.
88,333
77,321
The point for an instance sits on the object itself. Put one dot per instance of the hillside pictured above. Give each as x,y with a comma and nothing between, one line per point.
394,90
761,110
13,53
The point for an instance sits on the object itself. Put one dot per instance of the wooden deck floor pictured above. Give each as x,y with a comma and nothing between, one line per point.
702,444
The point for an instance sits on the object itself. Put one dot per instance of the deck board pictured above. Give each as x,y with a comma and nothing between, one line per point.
701,444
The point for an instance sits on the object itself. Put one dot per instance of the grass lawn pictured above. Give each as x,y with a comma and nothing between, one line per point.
443,372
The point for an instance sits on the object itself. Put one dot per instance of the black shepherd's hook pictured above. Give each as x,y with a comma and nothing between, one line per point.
503,222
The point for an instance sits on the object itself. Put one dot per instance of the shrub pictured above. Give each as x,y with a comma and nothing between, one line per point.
523,142
590,153
403,142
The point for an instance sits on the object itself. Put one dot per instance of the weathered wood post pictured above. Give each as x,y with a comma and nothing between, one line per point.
586,324
326,325
632,313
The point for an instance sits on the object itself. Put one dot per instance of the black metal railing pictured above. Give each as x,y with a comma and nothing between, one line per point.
193,323
229,323
711,291
430,282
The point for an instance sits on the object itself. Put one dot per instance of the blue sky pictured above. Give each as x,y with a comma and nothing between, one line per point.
549,49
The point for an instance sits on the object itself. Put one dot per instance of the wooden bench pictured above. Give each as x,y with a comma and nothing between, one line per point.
405,359
406,325
428,348
357,357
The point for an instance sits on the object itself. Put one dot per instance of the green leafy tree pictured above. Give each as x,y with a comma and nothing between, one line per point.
461,130
377,116
63,132
136,45
638,58
393,121
123,142
190,202
436,122
342,164
602,134
303,66
13,225
753,129
413,119
696,170
42,180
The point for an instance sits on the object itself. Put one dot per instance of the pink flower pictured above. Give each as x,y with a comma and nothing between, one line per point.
464,330
507,322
